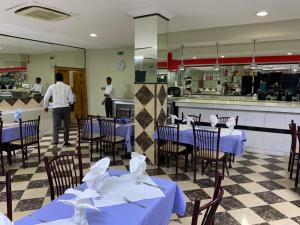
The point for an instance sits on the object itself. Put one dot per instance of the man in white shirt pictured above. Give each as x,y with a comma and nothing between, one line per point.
108,94
62,97
37,87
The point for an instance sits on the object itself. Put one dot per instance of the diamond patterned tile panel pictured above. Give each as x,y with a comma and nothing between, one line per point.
144,95
162,95
144,118
161,117
144,141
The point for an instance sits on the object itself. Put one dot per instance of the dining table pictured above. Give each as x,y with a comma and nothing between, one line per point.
10,132
123,129
155,211
230,141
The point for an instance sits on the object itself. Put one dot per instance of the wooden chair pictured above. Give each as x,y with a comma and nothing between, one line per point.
86,132
29,135
168,143
62,172
110,138
296,156
7,184
196,119
209,208
207,148
293,150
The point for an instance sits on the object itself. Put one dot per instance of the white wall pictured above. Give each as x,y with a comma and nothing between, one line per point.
103,63
39,65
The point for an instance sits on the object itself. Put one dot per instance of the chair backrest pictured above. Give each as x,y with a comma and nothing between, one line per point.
168,136
196,119
108,129
209,208
85,127
62,172
7,184
223,120
206,143
293,130
29,131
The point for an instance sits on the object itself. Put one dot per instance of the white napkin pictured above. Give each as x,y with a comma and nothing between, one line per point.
230,124
213,121
81,202
137,165
97,174
188,121
4,220
18,114
173,118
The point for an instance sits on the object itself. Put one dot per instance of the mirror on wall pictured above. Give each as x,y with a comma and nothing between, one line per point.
22,61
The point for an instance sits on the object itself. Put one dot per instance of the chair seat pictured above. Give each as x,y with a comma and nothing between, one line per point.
117,140
207,154
181,148
88,137
26,140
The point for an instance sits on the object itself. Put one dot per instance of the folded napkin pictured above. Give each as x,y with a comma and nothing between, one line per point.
213,121
83,200
230,124
4,220
173,118
137,166
18,114
189,120
97,175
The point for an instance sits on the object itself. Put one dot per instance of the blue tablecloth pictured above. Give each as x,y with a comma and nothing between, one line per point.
228,143
123,130
10,132
157,212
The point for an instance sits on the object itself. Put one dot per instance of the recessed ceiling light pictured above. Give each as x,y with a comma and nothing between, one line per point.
289,53
262,13
222,56
93,35
194,57
0,47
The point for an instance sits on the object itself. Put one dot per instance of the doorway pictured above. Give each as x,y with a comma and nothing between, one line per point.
77,80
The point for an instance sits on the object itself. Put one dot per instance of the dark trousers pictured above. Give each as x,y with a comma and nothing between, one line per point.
108,107
59,115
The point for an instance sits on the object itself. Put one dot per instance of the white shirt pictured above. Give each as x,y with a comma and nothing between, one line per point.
109,90
37,88
62,95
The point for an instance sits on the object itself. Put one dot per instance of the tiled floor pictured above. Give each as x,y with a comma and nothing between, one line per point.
257,191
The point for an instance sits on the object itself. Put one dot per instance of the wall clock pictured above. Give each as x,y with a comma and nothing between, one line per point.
121,65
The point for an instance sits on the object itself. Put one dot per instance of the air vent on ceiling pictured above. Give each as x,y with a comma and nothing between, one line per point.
42,13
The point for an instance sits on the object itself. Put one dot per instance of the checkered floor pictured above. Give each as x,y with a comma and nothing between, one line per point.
257,191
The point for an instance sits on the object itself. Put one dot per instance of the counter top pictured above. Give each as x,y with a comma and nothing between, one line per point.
254,105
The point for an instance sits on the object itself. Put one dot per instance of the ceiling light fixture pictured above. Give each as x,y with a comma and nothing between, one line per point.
216,67
253,64
262,13
222,56
0,48
93,35
289,53
194,57
181,66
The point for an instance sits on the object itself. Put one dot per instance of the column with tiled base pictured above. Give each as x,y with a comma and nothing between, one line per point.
150,105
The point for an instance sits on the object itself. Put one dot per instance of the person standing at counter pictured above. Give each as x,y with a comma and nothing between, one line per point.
108,95
37,87
62,97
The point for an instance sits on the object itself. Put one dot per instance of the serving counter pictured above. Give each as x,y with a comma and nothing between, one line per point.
265,122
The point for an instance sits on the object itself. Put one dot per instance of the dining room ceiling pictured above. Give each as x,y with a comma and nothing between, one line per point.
112,20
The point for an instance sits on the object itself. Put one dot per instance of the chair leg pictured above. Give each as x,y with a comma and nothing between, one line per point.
233,157
114,153
91,151
23,158
195,162
26,153
2,162
292,166
39,152
186,161
158,158
216,172
202,166
297,172
177,159
289,167
168,160
223,167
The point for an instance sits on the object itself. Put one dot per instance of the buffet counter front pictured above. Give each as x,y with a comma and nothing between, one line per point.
266,122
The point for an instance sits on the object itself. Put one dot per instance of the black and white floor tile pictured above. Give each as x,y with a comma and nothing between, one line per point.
257,191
